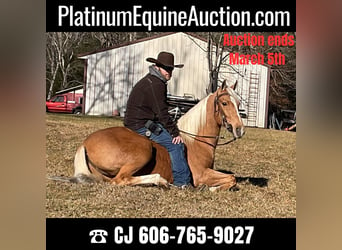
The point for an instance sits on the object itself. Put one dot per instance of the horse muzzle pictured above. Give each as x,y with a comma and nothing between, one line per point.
237,132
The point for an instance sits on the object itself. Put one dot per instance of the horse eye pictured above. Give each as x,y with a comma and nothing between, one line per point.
224,103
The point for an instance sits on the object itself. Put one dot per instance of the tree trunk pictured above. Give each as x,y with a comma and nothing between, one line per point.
52,83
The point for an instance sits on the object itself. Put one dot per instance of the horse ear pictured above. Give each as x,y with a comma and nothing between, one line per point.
224,84
234,85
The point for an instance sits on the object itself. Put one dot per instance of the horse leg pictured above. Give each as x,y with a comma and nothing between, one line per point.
154,179
216,180
125,177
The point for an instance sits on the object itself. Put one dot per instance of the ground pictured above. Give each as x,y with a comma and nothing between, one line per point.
264,162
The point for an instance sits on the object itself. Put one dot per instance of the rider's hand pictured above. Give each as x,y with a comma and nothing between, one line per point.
177,140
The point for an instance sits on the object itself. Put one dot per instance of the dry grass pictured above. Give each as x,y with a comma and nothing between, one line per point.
263,160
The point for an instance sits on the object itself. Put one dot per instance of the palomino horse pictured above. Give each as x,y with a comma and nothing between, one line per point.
122,157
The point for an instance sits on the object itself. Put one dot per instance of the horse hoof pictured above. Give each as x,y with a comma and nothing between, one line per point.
234,189
164,186
202,187
214,189
162,182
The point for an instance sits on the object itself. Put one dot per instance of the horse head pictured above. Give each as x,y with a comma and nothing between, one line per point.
226,110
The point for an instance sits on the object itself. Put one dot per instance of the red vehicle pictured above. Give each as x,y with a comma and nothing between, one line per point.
70,102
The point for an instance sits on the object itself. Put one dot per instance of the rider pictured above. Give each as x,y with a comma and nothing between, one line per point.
147,114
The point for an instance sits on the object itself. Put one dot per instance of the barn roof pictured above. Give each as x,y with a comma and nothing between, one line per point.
69,89
83,55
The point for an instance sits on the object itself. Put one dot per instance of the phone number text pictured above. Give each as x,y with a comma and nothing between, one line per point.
186,235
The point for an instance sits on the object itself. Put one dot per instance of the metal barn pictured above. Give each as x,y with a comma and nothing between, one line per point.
110,75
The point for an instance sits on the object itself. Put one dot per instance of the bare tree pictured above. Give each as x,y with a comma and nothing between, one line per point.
52,62
60,54
110,39
215,59
107,39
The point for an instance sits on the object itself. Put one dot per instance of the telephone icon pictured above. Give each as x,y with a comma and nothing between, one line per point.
98,236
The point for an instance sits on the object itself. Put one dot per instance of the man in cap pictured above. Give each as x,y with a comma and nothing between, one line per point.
147,114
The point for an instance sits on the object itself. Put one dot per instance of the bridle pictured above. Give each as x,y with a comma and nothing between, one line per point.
216,109
224,122
208,136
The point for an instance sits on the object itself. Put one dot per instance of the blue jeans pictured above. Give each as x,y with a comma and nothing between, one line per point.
180,168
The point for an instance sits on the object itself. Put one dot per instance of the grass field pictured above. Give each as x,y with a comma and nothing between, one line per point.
264,162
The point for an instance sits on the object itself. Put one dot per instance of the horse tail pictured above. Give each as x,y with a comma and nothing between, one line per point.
75,179
82,173
81,169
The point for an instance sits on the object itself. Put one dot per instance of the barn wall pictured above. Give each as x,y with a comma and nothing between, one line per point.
111,74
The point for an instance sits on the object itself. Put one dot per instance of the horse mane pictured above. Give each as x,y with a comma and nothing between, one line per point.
233,94
193,120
